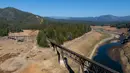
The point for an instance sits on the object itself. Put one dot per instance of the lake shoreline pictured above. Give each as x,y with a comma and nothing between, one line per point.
113,53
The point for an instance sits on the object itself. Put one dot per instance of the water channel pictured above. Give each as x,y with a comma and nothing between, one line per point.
105,56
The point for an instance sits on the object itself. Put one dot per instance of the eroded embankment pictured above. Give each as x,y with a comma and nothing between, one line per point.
125,57
103,41
4,58
45,58
85,44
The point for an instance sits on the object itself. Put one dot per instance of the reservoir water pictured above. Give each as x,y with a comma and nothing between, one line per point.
103,57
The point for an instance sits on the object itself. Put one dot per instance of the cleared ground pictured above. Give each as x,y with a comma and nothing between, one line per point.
27,57
25,33
84,44
113,29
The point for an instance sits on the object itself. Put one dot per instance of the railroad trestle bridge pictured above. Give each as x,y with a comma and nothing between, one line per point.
86,65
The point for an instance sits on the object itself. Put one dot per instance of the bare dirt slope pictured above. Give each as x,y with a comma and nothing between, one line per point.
125,58
27,57
25,33
84,44
113,29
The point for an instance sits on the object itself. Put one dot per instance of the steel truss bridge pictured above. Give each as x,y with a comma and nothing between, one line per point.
86,65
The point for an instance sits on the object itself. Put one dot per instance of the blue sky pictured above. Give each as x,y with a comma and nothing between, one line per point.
71,8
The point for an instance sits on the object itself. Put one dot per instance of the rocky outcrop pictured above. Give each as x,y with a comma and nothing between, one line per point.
125,57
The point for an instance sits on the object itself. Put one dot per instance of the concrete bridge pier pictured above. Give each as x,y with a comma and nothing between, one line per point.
62,58
58,56
53,47
81,69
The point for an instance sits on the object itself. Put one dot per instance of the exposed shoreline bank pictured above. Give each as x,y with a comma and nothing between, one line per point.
99,44
125,59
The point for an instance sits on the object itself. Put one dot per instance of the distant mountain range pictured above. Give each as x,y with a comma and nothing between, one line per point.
103,18
18,16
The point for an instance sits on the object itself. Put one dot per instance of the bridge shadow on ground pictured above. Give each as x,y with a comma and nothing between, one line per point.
67,65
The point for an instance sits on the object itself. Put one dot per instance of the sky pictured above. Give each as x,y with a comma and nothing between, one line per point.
71,8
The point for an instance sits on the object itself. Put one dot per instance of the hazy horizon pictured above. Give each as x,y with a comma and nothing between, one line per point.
70,8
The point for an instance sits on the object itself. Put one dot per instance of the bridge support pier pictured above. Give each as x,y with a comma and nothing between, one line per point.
81,69
67,65
58,56
86,65
62,59
53,47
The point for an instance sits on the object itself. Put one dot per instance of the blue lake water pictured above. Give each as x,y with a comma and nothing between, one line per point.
102,57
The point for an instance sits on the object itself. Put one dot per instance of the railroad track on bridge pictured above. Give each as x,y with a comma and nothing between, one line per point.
87,65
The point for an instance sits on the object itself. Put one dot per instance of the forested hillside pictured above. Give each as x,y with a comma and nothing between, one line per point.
121,24
17,19
3,27
14,20
61,32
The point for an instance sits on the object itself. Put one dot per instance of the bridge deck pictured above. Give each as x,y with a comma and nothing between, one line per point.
88,64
